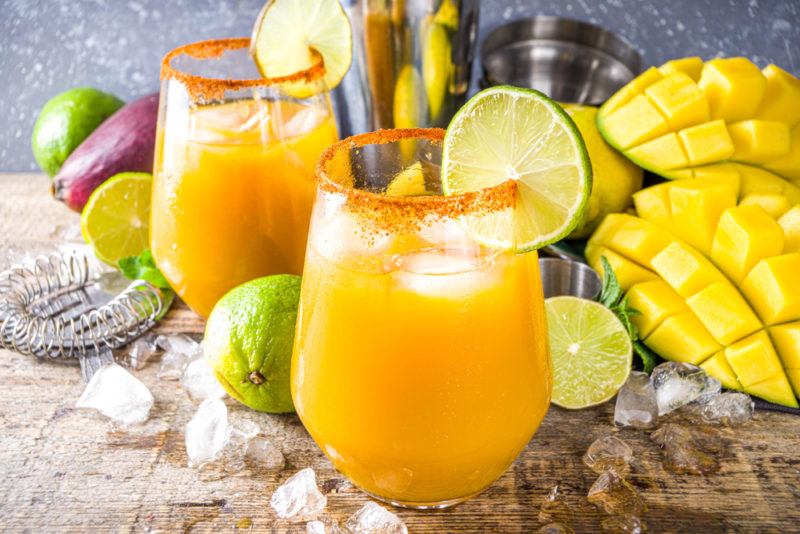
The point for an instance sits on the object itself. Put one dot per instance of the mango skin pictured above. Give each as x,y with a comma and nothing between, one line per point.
685,115
732,308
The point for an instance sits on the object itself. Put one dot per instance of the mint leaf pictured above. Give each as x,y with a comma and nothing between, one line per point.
613,298
143,267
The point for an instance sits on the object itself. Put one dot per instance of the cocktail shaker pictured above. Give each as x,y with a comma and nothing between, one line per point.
412,61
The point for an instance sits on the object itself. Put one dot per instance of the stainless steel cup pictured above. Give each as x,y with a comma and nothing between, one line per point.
568,277
568,60
412,62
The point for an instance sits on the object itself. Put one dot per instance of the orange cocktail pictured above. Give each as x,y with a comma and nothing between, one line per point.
234,175
421,365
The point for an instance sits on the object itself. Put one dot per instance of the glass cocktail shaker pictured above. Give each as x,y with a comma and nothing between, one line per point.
412,61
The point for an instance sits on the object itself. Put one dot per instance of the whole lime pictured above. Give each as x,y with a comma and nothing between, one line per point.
66,120
248,341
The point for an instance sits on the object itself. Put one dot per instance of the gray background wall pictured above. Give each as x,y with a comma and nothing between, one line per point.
116,45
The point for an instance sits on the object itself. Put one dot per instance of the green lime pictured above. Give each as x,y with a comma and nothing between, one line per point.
116,218
65,121
409,182
285,31
248,341
507,133
590,350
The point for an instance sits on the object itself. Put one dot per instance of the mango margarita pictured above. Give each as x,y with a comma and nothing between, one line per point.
421,365
233,178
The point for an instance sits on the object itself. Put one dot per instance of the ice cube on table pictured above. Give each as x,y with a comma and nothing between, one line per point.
373,518
711,390
554,508
615,495
299,498
622,524
200,383
179,343
555,528
137,354
607,453
264,454
118,395
173,364
677,384
732,409
207,433
636,402
688,451
315,527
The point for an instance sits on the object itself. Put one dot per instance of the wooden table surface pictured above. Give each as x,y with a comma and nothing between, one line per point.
65,470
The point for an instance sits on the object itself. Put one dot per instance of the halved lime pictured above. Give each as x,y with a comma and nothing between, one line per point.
507,133
116,219
590,350
285,31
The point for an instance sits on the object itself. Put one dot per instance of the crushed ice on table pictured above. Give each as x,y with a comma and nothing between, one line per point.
636,402
263,453
179,351
554,508
324,525
315,527
689,451
731,409
622,524
555,528
373,518
137,354
677,384
711,389
299,498
207,433
615,495
607,453
118,395
199,381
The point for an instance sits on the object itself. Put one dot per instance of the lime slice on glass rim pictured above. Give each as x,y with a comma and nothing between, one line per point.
116,218
286,30
509,133
590,350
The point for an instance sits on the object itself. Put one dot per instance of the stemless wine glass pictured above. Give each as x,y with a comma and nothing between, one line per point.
234,168
421,364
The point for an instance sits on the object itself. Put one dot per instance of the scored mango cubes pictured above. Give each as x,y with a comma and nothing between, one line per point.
679,100
734,88
686,270
773,288
724,312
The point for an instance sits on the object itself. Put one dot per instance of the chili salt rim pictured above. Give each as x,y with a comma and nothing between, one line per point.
214,88
491,199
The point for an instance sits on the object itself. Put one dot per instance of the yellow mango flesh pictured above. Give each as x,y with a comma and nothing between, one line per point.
690,310
745,235
655,301
781,100
682,338
628,272
786,338
678,98
772,204
724,312
686,270
665,152
635,122
734,88
691,66
773,288
707,143
724,173
776,389
718,367
652,204
753,359
696,206
723,110
759,141
790,223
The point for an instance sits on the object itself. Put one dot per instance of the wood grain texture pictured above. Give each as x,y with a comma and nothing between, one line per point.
67,470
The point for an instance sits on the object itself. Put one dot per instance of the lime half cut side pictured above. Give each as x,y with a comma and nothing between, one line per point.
116,218
508,133
590,350
287,29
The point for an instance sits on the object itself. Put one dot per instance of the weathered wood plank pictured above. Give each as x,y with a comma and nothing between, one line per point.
66,470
